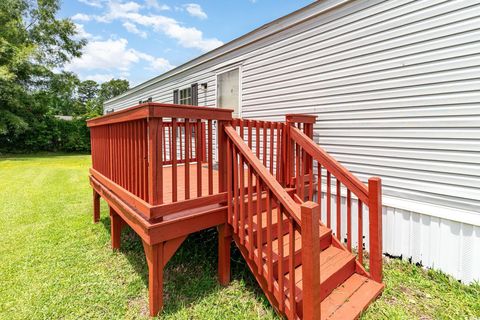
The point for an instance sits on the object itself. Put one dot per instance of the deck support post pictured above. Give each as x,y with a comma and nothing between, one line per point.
154,256
224,249
375,227
96,206
310,215
116,224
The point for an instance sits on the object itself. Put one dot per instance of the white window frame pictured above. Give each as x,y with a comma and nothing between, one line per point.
240,87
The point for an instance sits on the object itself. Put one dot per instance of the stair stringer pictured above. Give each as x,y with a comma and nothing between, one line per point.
262,282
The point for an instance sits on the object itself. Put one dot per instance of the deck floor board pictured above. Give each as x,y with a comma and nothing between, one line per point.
168,182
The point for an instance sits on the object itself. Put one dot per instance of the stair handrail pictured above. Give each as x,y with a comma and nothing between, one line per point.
332,165
370,195
275,187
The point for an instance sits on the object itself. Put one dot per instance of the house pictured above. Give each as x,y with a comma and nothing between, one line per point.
396,92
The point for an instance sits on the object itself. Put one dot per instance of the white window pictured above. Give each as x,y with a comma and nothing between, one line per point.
185,96
228,91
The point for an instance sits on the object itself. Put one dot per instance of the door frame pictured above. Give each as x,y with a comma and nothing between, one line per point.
240,87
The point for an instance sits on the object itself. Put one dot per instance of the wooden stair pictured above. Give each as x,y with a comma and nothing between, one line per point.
345,294
304,270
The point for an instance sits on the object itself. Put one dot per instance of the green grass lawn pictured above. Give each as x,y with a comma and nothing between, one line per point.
55,263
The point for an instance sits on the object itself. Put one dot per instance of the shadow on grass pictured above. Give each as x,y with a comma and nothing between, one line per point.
191,274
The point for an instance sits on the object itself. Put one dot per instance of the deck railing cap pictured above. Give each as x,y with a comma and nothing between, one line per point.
304,118
155,110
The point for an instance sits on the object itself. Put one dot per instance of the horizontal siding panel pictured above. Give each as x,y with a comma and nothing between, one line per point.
312,106
372,94
410,112
384,60
432,144
446,25
331,26
446,71
393,188
419,122
420,58
465,194
457,157
386,132
469,171
396,22
411,178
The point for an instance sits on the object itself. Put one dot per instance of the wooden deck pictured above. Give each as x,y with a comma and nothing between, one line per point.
259,193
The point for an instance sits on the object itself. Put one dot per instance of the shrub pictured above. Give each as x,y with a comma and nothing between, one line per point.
49,133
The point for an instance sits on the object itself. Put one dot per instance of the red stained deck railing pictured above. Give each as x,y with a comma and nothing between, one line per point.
157,156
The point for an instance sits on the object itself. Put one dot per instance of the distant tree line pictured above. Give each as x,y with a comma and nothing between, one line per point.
34,46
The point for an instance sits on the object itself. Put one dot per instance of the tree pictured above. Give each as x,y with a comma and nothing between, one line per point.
87,90
33,42
61,94
113,88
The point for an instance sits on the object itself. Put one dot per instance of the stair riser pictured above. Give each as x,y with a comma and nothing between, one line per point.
332,282
336,279
325,242
274,231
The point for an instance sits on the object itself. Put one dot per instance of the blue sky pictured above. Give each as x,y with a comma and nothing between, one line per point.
140,39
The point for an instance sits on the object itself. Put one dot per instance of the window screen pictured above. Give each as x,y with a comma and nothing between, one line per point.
185,96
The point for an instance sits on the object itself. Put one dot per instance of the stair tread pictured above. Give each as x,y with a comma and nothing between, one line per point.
332,260
351,298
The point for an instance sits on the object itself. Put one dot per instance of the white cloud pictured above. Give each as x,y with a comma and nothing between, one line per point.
92,3
155,5
99,77
195,10
132,28
83,34
105,55
114,56
188,37
160,65
81,17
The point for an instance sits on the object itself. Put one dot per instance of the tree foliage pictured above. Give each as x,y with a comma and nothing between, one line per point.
34,45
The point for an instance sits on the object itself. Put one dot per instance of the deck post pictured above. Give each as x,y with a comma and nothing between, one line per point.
222,157
224,230
290,153
116,224
154,256
224,249
375,227
155,178
96,206
310,216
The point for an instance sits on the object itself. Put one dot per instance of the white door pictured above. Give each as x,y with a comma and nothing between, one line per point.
228,91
